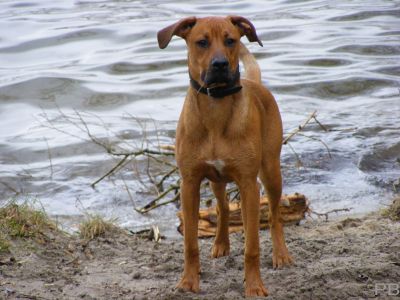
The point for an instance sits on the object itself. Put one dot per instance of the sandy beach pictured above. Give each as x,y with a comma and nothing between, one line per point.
344,258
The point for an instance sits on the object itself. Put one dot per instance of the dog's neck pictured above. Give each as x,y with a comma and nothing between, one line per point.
218,92
216,116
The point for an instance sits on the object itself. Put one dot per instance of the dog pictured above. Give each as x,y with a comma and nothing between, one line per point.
229,130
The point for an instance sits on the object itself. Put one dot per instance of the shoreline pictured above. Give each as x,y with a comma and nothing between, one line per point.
346,257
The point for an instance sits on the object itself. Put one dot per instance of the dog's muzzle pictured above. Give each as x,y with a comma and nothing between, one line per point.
218,72
230,87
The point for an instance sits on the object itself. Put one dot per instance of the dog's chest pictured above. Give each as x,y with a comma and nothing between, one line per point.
217,170
218,156
218,164
219,160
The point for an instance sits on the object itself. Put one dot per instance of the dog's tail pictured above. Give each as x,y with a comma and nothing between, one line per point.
251,67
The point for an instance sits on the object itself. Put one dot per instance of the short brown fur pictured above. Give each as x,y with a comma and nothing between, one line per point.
234,138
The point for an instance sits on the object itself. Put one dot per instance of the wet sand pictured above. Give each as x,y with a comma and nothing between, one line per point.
339,259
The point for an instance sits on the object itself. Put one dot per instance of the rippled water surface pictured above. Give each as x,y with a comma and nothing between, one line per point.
99,60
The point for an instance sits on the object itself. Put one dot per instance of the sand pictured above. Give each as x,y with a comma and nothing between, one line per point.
347,258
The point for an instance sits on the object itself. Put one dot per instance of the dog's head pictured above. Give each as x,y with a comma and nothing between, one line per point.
213,45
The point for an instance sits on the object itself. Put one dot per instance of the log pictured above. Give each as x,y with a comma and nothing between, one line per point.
293,209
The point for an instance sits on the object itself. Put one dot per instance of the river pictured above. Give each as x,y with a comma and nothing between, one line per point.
100,61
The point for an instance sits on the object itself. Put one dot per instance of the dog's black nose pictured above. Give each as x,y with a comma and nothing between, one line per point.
219,63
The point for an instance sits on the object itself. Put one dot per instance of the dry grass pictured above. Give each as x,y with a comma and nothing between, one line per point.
393,211
95,226
23,220
4,244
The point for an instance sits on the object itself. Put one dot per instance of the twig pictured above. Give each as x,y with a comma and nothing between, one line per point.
28,296
135,170
128,191
318,140
232,190
150,176
161,161
152,203
236,196
111,171
344,129
320,124
300,128
144,132
145,210
93,138
299,163
160,184
228,193
125,156
326,214
157,154
143,152
52,126
10,188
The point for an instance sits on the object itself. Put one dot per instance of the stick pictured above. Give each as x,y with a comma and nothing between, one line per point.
151,204
143,152
300,128
111,171
10,188
293,209
160,185
320,124
145,210
326,214
318,140
125,156
299,163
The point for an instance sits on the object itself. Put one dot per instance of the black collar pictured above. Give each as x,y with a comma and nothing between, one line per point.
218,92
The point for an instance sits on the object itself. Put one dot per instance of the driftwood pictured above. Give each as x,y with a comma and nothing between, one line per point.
293,210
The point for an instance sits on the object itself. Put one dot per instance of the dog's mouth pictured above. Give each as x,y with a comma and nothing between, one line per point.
214,79
217,84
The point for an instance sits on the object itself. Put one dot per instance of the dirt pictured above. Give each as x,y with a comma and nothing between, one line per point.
348,258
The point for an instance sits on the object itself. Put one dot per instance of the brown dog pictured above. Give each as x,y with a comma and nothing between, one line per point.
230,129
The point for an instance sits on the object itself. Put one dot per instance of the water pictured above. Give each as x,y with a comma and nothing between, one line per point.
101,59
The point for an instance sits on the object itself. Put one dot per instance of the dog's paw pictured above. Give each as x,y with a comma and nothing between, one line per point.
189,283
256,289
220,249
281,258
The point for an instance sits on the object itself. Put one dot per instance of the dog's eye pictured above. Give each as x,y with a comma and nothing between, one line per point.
202,43
230,42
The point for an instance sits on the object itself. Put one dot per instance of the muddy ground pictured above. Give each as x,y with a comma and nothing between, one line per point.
340,259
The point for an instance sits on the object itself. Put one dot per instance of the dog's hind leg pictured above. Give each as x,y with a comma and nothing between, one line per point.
271,177
221,242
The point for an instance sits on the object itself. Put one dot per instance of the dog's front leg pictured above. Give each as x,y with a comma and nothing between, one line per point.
250,200
190,198
221,242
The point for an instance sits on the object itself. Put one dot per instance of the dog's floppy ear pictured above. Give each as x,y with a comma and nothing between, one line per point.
180,28
246,28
